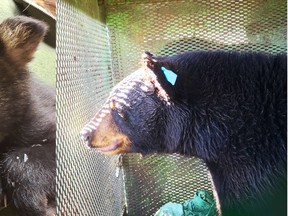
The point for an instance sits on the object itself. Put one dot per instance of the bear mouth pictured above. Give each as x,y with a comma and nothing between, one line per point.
110,147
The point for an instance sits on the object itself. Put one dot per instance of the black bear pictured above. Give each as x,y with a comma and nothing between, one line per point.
227,108
28,126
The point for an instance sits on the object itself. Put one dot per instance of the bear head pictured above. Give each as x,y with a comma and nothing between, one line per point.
19,38
135,117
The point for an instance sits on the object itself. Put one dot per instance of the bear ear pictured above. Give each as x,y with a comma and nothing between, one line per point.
148,60
20,36
162,72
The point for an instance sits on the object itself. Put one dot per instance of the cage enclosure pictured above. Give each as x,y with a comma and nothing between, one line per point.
98,44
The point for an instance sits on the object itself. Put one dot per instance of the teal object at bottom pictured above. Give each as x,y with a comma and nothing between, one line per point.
202,204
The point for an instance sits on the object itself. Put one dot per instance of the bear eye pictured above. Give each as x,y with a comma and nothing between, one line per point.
115,107
112,104
121,113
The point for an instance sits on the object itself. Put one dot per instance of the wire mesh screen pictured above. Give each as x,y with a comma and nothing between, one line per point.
87,183
91,184
153,181
170,27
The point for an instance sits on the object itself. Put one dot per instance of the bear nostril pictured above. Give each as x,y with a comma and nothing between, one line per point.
85,136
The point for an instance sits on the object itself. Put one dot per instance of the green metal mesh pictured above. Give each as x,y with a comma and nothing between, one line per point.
87,183
153,181
169,27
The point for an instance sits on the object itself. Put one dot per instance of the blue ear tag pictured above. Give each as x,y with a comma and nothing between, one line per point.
170,75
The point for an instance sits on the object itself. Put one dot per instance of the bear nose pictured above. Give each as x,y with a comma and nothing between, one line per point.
85,136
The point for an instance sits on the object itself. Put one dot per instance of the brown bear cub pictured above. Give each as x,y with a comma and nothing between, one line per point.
227,108
27,113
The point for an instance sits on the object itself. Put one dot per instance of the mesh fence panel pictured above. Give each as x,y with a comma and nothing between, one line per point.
153,181
87,181
169,27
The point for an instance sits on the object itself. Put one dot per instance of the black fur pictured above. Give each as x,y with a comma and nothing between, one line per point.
27,113
228,109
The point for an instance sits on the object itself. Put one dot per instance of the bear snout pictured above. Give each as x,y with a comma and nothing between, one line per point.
103,135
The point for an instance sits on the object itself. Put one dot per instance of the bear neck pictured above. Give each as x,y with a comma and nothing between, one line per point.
191,129
42,127
239,180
